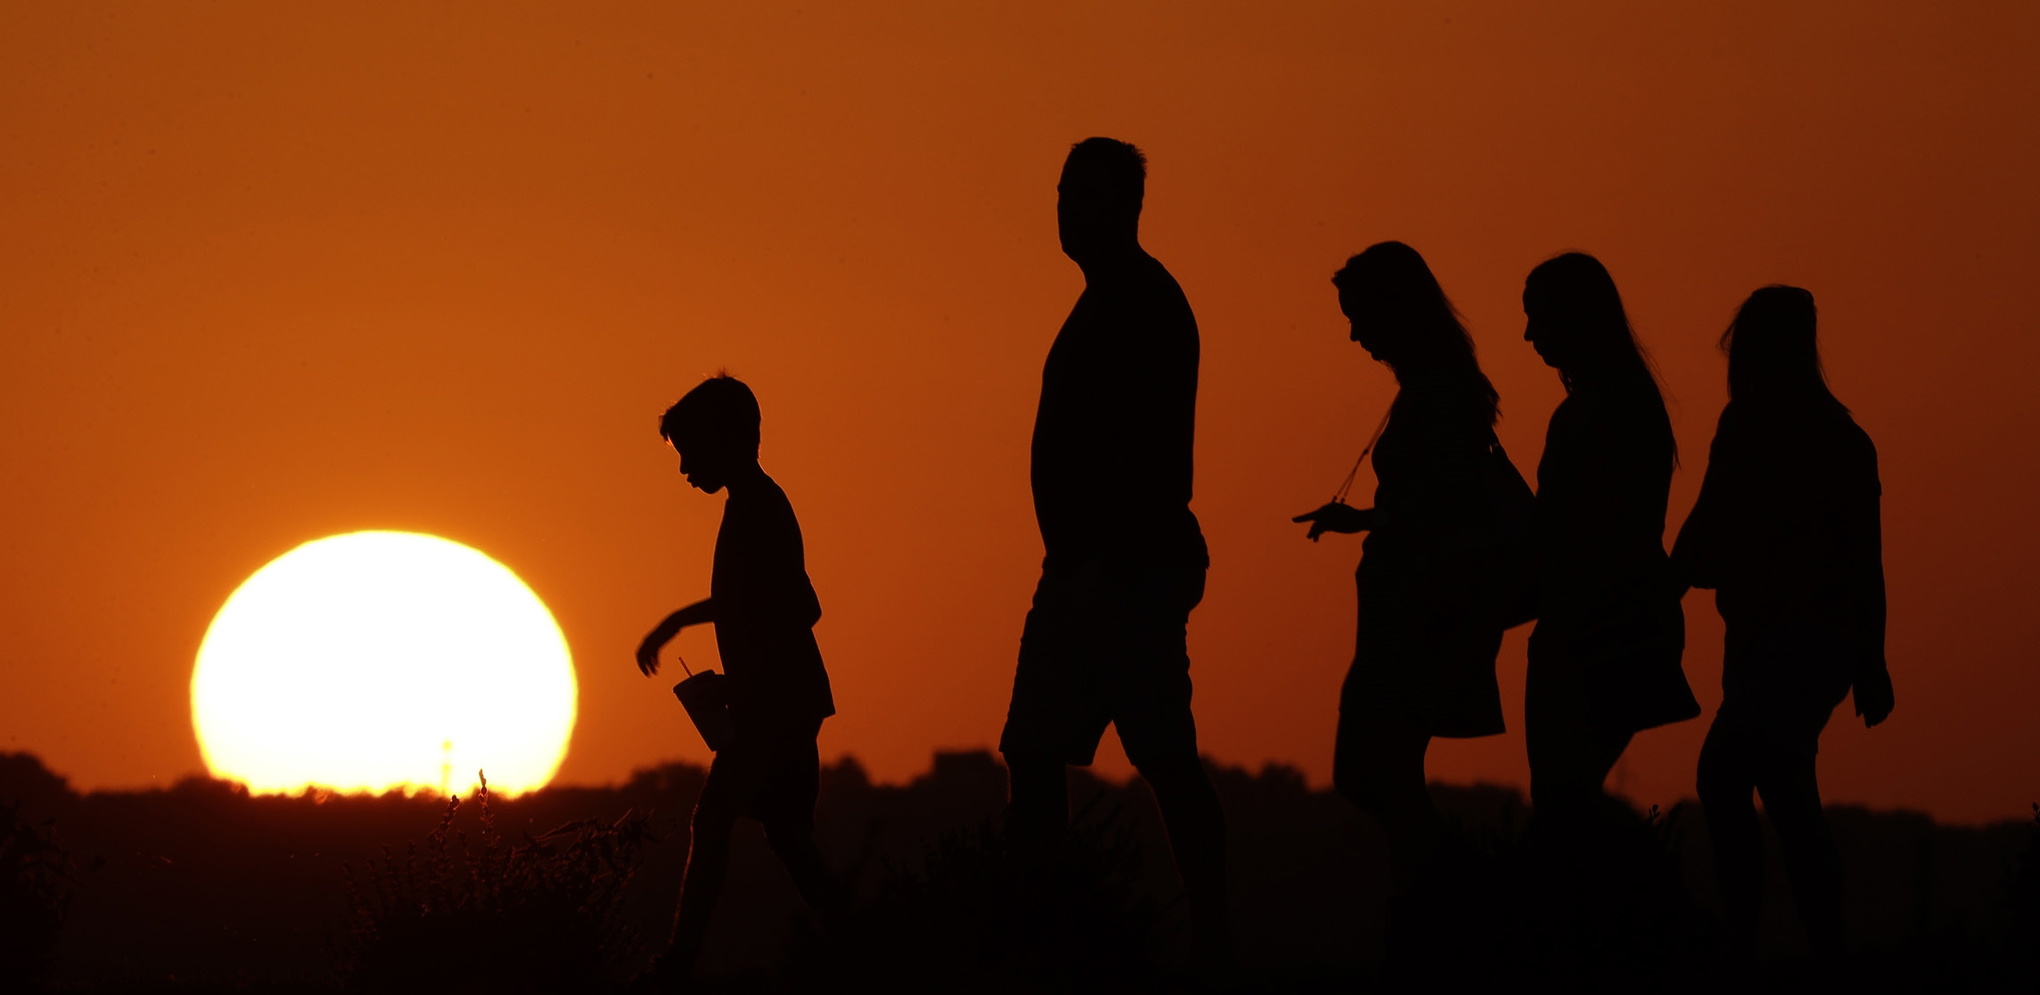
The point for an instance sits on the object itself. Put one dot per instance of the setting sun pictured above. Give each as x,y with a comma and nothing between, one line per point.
378,660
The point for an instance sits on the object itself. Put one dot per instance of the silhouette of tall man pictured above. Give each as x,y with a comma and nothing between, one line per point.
1105,639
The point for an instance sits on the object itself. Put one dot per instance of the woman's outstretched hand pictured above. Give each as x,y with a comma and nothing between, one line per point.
1337,516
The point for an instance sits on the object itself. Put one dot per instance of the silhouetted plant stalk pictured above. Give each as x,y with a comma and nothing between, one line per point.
461,913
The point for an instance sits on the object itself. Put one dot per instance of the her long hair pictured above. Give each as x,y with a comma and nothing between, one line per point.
1773,351
1579,288
1398,286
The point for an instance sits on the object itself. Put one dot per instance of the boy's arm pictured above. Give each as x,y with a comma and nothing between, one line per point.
648,651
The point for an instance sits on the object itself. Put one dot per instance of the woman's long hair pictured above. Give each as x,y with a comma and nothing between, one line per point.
1577,288
1773,351
1399,288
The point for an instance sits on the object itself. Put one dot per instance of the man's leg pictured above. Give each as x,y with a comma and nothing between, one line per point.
1055,716
1196,825
1038,812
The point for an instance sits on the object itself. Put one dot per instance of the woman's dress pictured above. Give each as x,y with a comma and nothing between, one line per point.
1426,641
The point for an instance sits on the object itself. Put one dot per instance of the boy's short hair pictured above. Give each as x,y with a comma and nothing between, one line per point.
720,408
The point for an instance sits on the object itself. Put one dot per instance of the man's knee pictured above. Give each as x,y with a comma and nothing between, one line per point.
1358,783
1034,774
1723,777
1173,770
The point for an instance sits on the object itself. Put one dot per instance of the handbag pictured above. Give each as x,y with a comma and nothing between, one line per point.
1503,557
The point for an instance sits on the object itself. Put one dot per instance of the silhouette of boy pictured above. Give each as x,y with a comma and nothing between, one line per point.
764,610
1105,639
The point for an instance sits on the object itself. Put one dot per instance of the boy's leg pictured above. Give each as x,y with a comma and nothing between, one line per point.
1727,777
733,778
786,805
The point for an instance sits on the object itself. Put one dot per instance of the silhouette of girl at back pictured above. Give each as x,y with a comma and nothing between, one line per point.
1424,662
1786,530
1604,658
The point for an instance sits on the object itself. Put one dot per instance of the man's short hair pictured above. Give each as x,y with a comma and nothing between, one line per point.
1115,166
720,410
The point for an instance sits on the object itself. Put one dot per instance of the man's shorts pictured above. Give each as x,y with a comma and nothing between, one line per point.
1106,644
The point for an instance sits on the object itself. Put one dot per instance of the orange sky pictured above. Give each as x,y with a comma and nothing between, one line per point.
270,272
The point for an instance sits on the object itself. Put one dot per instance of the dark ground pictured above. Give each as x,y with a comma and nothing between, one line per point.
202,888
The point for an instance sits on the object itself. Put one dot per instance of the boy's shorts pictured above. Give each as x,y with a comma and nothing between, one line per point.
771,773
1106,644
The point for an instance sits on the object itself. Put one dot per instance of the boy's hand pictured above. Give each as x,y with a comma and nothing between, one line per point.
648,651
699,613
656,640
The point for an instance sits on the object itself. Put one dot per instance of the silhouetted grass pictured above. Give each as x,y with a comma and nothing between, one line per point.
1594,906
36,884
976,916
479,914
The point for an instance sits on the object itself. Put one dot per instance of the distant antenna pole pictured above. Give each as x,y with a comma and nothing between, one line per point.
445,767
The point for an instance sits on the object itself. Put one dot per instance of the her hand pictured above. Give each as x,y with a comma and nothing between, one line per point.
1337,516
1874,698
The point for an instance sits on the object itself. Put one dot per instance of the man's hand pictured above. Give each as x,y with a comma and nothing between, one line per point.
1337,516
1874,699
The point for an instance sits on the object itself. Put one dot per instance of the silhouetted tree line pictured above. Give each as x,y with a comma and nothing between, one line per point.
201,887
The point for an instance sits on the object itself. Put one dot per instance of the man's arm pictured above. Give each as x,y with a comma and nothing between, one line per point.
698,613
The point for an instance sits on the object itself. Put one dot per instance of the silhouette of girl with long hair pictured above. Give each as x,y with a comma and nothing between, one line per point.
1604,658
1424,659
1787,532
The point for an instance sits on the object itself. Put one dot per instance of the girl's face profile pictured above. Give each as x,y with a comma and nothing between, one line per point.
1365,319
1542,329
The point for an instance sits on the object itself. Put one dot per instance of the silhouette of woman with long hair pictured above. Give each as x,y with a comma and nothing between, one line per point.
1787,532
1604,658
1424,658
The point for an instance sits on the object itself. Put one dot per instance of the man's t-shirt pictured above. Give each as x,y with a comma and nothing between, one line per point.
1114,433
766,609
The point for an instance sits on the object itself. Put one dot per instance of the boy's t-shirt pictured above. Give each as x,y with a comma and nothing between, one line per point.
766,609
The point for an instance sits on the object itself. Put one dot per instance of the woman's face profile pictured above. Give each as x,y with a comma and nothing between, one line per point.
1364,315
1542,328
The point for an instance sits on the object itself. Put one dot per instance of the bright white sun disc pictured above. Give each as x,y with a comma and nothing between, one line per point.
378,660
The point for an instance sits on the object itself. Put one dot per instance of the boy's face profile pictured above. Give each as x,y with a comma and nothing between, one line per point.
694,465
707,467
